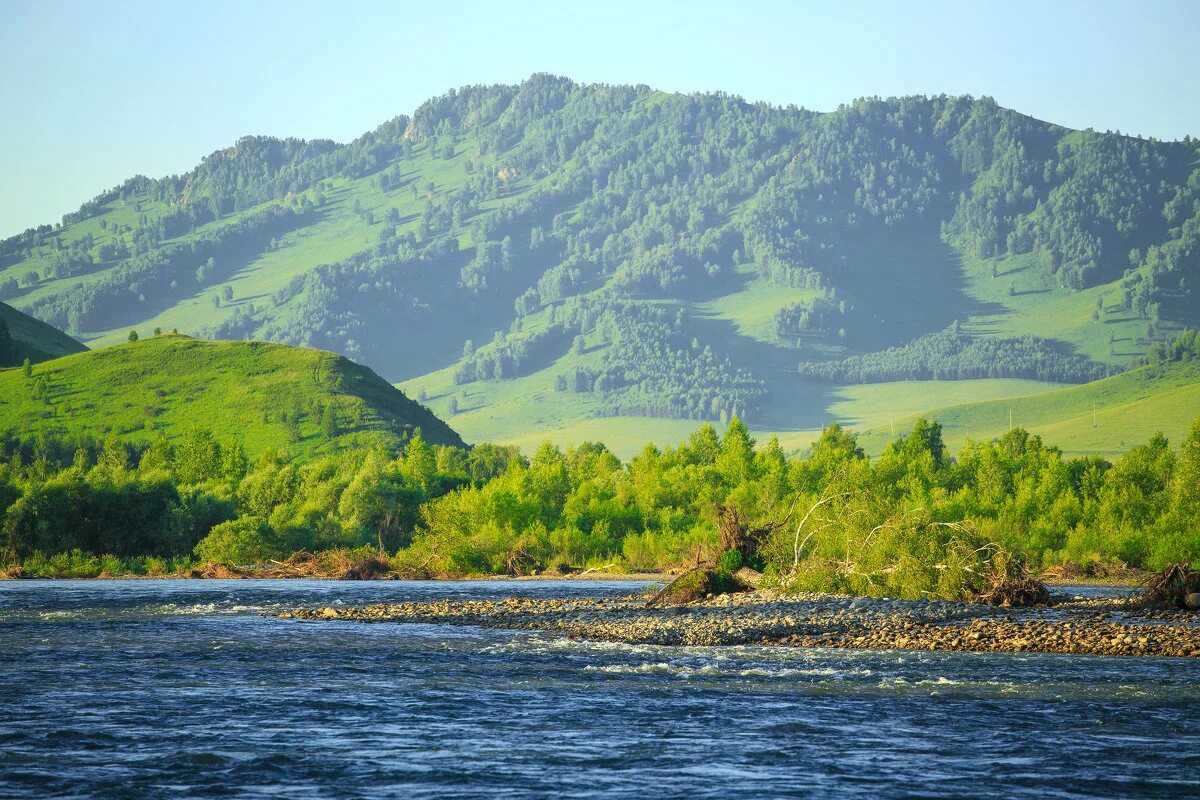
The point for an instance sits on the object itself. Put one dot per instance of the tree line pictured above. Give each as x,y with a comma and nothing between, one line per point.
911,522
954,355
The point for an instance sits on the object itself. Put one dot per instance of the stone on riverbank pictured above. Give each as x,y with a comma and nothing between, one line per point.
1092,627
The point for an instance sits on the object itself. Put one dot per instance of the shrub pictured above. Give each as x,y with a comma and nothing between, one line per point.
246,540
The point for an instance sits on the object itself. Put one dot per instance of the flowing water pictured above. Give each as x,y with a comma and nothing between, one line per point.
186,689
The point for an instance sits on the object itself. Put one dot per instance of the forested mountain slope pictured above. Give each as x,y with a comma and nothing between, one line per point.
264,396
22,337
638,253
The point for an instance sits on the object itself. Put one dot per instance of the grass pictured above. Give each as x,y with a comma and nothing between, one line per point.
1042,308
172,385
34,339
752,307
1105,417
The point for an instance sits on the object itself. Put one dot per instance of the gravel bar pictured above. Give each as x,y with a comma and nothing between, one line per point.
1071,625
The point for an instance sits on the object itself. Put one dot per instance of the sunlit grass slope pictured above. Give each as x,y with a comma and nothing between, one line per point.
1106,417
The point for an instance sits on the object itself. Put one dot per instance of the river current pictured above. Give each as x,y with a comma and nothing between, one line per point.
191,689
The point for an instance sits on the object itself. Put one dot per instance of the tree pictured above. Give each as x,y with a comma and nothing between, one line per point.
329,423
245,540
453,405
580,345
737,454
227,292
27,368
133,336
468,348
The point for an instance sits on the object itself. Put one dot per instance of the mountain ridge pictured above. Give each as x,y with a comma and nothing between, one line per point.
700,246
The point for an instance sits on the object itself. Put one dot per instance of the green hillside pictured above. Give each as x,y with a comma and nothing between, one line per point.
265,395
1105,417
671,258
33,339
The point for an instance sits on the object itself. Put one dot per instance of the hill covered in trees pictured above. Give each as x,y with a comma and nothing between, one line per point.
162,390
23,337
649,254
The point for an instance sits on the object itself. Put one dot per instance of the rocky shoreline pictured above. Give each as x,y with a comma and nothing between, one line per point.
1111,627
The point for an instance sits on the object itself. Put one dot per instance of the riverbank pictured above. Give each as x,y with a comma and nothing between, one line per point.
1074,625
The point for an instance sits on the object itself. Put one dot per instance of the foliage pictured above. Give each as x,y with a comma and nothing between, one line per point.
953,355
913,522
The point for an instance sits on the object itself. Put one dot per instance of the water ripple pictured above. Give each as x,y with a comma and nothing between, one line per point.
154,689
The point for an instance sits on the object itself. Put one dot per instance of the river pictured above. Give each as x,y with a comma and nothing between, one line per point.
191,689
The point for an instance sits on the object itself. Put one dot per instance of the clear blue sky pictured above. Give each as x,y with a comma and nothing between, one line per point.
93,93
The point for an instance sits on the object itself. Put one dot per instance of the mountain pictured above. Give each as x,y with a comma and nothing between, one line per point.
537,259
268,396
31,338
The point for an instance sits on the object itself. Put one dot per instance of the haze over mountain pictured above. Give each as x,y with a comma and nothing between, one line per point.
528,257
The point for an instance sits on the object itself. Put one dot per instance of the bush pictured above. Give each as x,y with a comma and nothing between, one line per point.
246,540
729,562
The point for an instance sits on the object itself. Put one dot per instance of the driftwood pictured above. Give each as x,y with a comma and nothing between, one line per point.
519,563
1016,593
1171,587
303,564
707,576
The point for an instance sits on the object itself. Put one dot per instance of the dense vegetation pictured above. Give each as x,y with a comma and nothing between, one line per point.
23,337
161,388
954,355
618,206
912,522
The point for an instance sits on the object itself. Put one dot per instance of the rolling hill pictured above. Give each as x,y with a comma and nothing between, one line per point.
562,259
1106,417
33,339
268,396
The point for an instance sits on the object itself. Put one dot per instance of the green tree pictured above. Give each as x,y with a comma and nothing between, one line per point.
133,336
329,423
242,541
198,457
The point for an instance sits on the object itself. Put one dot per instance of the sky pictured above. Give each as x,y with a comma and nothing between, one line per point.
93,93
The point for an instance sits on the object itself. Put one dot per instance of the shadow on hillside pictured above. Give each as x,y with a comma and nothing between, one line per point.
794,403
904,284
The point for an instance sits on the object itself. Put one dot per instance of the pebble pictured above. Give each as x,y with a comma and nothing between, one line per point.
1093,627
